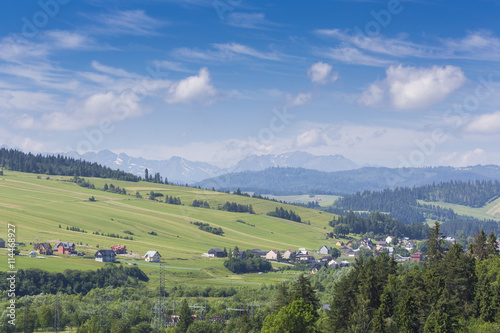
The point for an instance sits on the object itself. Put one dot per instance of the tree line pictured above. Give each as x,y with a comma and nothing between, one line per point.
285,214
33,281
453,291
236,208
380,224
16,160
249,262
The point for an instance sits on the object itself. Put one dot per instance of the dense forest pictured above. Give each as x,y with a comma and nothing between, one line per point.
380,225
452,292
16,160
402,202
35,281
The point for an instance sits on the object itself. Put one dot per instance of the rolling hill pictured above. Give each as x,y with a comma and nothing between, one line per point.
42,209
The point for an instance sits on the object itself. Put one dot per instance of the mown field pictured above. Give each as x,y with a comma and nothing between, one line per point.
41,210
323,200
488,211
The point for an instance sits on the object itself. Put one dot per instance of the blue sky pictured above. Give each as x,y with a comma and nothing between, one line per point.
391,83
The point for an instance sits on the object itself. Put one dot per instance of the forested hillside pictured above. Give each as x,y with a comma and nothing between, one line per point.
16,160
294,181
402,202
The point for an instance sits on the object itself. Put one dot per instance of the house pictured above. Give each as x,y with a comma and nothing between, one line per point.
389,239
340,243
306,257
349,243
326,259
152,256
2,243
216,252
302,251
399,258
325,249
43,248
289,254
367,242
119,249
273,255
65,248
381,245
450,240
417,256
345,249
240,253
409,245
105,256
259,252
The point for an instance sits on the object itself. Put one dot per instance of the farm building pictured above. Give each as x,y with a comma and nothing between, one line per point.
215,252
105,256
43,248
119,249
65,248
325,249
152,256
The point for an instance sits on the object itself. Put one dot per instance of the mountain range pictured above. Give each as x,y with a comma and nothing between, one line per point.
181,170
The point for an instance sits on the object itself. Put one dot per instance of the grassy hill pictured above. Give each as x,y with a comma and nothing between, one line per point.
489,211
37,206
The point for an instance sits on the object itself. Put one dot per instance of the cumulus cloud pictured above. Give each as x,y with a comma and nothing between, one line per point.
473,157
312,137
321,73
486,124
411,88
196,88
298,100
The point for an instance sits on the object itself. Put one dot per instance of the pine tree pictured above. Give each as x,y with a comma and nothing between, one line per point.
185,318
435,243
479,246
491,244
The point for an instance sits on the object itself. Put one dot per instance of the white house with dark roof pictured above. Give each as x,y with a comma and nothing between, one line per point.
152,256
105,256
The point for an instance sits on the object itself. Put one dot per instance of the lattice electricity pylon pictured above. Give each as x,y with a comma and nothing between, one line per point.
240,311
159,308
198,308
103,314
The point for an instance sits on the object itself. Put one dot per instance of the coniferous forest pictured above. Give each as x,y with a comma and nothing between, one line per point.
16,160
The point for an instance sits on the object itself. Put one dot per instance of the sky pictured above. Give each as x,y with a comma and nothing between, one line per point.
387,83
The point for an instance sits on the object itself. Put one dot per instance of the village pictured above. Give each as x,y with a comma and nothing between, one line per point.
342,255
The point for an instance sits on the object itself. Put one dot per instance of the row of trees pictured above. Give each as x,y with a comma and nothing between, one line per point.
35,281
236,208
200,203
207,228
246,263
379,224
285,214
16,160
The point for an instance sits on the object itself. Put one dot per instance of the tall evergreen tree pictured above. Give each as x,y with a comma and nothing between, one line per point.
185,318
435,243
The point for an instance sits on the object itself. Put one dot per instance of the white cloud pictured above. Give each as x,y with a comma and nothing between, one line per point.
196,88
300,99
17,50
113,71
245,50
63,39
473,157
411,88
248,20
170,65
353,56
321,73
26,100
129,22
312,137
485,124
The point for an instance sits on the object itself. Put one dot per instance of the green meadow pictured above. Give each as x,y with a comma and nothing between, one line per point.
42,209
489,211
